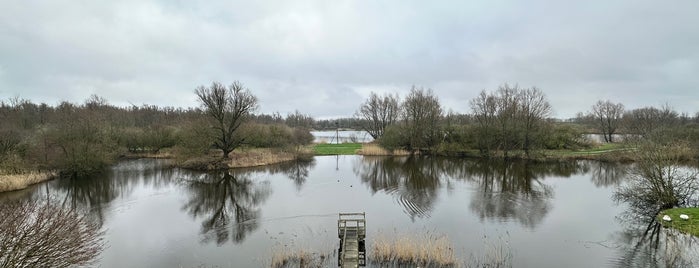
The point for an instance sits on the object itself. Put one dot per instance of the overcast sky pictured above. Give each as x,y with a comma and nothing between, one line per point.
325,57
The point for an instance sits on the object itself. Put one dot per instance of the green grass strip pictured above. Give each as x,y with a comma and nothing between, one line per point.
336,149
690,226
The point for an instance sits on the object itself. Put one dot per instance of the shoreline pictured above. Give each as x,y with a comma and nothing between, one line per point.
16,182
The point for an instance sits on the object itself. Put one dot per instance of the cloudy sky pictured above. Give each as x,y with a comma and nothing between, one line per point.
325,57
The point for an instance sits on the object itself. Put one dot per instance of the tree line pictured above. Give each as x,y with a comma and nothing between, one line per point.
83,138
512,118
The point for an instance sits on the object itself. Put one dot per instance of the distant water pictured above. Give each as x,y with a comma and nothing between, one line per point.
344,136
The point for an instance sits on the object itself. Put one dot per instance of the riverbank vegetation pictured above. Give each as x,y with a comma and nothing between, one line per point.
516,122
689,226
78,139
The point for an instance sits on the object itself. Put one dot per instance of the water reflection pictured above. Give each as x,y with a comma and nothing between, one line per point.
505,189
94,193
648,244
605,174
296,170
228,201
413,181
513,190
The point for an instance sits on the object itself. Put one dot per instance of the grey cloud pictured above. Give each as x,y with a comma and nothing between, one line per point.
323,57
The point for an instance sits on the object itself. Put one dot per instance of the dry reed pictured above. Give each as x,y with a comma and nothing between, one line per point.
297,258
258,157
12,182
414,250
375,149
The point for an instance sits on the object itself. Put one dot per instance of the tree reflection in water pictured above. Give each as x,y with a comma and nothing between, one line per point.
645,243
605,174
514,190
506,189
228,201
95,193
413,181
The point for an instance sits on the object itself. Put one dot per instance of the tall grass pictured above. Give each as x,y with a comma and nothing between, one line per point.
12,182
375,149
298,258
498,254
414,250
433,250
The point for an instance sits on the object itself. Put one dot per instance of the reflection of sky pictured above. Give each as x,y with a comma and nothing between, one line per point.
148,227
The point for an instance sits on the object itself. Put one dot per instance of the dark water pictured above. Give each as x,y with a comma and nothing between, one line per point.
544,215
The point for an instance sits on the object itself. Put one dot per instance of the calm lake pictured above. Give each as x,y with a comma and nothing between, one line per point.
546,215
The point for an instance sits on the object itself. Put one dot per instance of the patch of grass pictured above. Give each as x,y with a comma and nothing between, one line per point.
414,251
602,149
690,226
336,149
12,182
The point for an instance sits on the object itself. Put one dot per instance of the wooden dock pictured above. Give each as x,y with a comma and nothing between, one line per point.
351,229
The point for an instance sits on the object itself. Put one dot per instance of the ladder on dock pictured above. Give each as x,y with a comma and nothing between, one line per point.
351,229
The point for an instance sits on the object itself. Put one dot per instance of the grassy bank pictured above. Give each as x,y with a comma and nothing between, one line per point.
13,182
250,157
336,149
603,152
690,226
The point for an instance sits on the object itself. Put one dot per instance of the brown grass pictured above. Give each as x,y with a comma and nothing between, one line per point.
12,182
258,157
297,258
414,250
250,157
375,149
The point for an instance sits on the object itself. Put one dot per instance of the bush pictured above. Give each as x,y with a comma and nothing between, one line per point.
42,234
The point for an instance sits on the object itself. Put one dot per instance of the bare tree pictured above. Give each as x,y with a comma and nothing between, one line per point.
608,117
658,181
229,108
648,120
484,111
534,108
37,234
421,116
507,105
377,113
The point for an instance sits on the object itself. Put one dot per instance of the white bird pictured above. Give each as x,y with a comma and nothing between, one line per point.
684,217
667,218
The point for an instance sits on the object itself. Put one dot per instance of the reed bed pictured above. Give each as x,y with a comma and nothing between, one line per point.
414,250
377,150
298,258
12,182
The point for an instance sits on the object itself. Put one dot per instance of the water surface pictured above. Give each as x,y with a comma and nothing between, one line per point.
546,215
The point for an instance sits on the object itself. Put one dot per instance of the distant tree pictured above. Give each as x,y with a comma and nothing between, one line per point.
506,109
81,141
229,108
421,115
297,119
38,234
607,117
484,111
649,120
377,113
534,109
